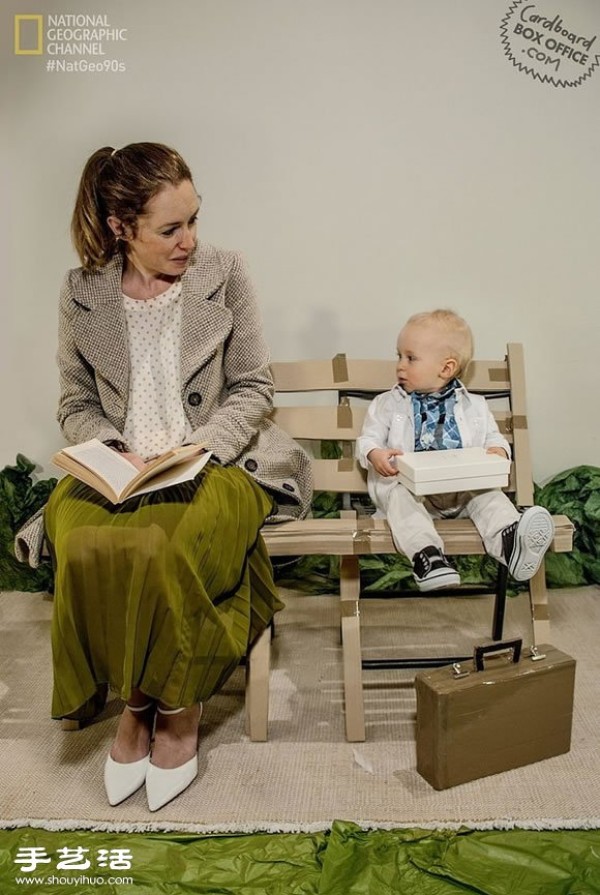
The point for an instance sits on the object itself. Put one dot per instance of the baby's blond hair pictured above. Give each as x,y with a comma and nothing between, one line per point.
457,332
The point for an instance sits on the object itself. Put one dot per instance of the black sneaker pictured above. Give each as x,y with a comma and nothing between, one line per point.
432,570
525,542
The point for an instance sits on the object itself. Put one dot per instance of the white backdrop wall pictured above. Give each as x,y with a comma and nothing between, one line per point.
371,158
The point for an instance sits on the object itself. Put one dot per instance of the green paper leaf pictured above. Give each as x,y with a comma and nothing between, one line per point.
20,498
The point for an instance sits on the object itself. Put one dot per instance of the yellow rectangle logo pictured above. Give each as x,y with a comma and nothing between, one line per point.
38,47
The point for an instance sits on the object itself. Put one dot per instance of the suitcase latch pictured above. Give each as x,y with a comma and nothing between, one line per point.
536,655
458,670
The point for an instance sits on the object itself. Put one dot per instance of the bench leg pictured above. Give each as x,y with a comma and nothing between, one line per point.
257,688
538,596
71,724
353,690
500,602
92,707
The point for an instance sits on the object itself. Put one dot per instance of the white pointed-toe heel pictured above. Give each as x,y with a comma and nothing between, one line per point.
122,779
164,784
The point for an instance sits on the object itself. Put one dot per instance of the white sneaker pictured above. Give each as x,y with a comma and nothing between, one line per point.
525,542
432,570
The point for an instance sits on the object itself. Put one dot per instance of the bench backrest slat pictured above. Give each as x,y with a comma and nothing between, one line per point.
342,373
341,424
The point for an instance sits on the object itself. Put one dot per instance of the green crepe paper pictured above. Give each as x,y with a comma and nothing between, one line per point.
493,862
575,493
343,861
20,497
169,863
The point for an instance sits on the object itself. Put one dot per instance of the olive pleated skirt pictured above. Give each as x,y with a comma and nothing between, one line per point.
164,592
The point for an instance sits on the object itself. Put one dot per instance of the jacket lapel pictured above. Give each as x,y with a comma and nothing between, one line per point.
100,327
205,322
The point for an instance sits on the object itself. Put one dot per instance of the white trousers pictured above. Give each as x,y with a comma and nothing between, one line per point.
411,518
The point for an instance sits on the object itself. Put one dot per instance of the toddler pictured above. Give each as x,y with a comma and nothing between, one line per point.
430,409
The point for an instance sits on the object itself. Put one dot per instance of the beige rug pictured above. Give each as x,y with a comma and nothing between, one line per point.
306,775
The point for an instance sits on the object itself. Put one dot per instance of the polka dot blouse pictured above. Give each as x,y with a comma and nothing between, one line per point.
156,419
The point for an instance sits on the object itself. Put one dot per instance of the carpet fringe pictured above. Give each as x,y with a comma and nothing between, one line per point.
586,823
222,829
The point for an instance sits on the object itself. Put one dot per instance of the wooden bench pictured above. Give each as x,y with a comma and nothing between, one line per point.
347,386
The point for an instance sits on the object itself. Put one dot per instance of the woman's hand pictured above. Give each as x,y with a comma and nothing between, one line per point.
382,462
497,450
135,459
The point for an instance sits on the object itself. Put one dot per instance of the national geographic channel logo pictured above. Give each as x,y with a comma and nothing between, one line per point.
553,47
64,35
29,35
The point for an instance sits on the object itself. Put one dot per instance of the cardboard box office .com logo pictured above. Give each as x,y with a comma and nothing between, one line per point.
29,35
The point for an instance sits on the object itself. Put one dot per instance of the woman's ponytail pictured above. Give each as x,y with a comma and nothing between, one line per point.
93,239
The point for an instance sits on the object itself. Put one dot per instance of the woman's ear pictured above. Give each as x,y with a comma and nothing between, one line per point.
120,230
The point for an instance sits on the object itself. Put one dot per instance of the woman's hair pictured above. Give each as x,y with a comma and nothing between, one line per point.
119,182
456,332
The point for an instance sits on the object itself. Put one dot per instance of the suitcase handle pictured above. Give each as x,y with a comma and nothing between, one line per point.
503,646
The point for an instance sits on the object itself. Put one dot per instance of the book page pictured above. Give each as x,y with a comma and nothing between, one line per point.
166,461
183,471
103,462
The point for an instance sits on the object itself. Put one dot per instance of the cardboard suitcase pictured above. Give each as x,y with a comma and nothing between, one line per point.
503,712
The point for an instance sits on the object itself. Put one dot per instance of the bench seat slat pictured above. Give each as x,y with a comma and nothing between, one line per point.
343,537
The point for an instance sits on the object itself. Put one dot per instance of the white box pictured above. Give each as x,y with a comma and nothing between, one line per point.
463,469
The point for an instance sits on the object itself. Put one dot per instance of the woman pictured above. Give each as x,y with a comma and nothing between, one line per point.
160,344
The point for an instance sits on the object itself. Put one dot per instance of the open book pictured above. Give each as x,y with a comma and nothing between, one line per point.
117,479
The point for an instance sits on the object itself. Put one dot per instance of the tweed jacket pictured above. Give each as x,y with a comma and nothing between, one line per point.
226,385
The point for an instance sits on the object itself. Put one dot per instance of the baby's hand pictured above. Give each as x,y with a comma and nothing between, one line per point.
498,450
381,459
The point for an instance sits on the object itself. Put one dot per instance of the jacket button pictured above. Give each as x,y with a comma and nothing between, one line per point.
251,465
288,487
194,398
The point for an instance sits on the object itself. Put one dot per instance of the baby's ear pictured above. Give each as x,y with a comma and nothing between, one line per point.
450,368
